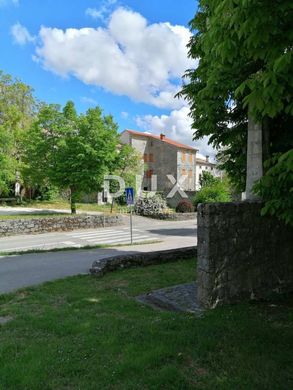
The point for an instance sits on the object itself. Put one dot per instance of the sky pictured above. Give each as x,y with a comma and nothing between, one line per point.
127,56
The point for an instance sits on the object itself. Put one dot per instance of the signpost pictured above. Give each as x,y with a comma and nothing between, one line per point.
130,203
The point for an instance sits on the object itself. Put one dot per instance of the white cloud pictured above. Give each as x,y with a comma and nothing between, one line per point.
21,35
128,57
88,100
177,126
103,12
124,114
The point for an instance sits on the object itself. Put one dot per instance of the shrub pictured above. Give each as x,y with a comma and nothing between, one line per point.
276,187
151,205
218,192
184,206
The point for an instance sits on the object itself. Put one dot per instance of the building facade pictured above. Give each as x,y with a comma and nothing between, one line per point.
163,156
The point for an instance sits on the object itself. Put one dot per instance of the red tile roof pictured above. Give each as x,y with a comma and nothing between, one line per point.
167,140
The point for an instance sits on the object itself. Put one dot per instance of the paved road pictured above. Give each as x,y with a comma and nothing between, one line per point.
144,230
30,269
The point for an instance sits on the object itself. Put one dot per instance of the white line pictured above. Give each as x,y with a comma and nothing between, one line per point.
97,234
111,236
108,241
68,243
102,236
91,232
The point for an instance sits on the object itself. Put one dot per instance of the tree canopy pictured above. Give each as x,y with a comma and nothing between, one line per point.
17,110
70,150
244,54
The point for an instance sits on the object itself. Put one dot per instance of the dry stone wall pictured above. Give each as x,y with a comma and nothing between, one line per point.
53,224
173,216
241,255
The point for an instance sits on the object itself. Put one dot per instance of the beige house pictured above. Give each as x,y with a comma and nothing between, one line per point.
205,165
163,156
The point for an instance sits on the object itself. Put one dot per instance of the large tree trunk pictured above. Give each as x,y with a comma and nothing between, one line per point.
254,157
265,140
72,200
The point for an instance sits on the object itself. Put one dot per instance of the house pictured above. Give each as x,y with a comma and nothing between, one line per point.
163,156
205,165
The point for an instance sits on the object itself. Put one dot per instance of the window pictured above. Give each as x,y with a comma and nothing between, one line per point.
190,173
151,157
183,157
200,167
190,158
183,171
145,157
149,173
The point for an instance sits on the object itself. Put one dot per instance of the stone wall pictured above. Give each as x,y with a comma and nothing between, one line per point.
141,259
11,227
174,216
241,255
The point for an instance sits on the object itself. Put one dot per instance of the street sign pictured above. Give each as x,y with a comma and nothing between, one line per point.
129,196
130,201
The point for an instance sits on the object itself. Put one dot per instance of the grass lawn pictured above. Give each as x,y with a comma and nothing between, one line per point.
30,216
87,333
62,204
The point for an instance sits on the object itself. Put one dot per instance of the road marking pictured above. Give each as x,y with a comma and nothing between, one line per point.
92,232
68,242
111,240
104,236
97,235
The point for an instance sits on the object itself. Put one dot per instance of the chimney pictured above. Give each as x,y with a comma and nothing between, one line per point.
207,158
162,137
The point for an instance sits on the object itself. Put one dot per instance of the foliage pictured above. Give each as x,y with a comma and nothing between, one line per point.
48,193
150,205
17,110
184,206
216,192
238,69
276,187
70,151
207,179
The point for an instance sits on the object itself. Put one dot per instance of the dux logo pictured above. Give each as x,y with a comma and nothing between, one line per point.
118,182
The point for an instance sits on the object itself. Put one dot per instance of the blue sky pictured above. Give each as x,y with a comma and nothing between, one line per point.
125,56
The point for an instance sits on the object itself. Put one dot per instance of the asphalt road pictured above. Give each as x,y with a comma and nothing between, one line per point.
144,230
17,271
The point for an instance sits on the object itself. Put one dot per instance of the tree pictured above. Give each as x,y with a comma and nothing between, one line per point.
17,110
70,151
242,80
207,179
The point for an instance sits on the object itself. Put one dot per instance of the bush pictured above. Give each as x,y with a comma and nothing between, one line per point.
151,205
184,206
218,192
276,187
